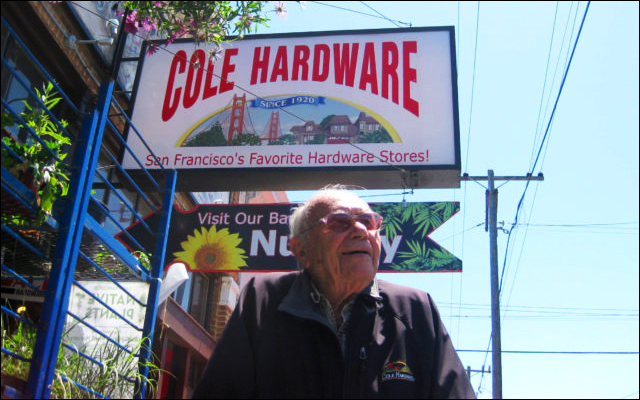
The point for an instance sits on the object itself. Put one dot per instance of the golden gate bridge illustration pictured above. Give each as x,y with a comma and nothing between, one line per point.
236,119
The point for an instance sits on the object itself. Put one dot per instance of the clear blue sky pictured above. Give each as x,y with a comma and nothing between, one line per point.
570,285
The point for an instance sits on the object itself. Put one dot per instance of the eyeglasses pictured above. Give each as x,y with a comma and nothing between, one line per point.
342,222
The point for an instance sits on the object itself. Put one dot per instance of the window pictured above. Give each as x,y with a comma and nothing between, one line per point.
199,304
12,90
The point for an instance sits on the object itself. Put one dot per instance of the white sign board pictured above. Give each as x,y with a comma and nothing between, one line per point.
95,314
349,100
101,318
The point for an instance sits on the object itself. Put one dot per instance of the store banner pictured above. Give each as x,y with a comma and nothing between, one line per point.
254,238
358,100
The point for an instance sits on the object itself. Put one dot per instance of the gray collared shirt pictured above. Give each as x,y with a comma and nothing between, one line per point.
325,306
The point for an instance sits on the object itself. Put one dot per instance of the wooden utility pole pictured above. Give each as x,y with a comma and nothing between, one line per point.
492,227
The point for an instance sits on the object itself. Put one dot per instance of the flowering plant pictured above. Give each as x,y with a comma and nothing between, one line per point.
204,21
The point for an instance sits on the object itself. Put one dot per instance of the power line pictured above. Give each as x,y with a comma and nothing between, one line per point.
629,395
564,79
566,72
553,79
544,82
372,9
473,82
196,65
466,165
540,309
463,232
555,352
557,318
464,213
601,225
360,12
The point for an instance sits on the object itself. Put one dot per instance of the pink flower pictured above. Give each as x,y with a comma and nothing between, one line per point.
131,23
281,10
153,47
248,19
148,24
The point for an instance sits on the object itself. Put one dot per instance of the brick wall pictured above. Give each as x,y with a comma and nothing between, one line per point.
220,313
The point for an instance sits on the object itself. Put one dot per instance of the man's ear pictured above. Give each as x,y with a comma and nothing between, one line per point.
296,246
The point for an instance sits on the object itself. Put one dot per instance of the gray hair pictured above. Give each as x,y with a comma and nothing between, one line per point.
299,219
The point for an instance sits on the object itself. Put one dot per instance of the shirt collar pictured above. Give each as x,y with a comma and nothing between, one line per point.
303,294
371,291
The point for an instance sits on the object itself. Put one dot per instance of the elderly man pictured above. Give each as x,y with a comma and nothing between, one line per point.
332,330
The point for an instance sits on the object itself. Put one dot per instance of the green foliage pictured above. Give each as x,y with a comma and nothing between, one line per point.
447,209
423,259
426,219
419,219
318,138
287,139
208,22
49,175
246,139
416,259
379,136
392,224
211,137
325,121
113,265
19,342
115,378
107,379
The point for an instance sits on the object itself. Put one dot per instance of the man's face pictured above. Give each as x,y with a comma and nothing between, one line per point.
342,257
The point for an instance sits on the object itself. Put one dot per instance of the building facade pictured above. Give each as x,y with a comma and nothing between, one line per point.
79,46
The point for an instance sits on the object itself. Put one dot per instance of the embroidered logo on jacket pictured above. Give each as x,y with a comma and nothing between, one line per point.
397,370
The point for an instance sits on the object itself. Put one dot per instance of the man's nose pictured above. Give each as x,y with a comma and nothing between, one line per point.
358,229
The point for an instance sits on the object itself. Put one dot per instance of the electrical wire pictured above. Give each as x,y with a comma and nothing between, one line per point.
564,79
536,134
195,65
473,84
553,352
383,16
457,331
553,79
544,84
566,72
601,225
360,12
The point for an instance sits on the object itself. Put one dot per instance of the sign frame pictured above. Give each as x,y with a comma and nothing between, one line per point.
382,175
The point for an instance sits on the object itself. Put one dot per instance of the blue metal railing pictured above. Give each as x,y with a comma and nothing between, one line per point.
78,239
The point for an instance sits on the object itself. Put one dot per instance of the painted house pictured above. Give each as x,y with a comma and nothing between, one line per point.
305,133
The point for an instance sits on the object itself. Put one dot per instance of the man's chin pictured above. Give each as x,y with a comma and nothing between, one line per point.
359,271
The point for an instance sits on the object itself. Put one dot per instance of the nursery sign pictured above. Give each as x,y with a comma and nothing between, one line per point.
362,101
93,311
254,238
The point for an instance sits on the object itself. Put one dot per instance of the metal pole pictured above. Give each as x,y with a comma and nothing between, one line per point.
496,356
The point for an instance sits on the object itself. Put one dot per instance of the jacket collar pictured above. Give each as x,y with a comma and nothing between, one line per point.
303,298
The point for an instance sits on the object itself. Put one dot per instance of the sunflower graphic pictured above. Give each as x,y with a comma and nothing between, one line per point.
212,250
